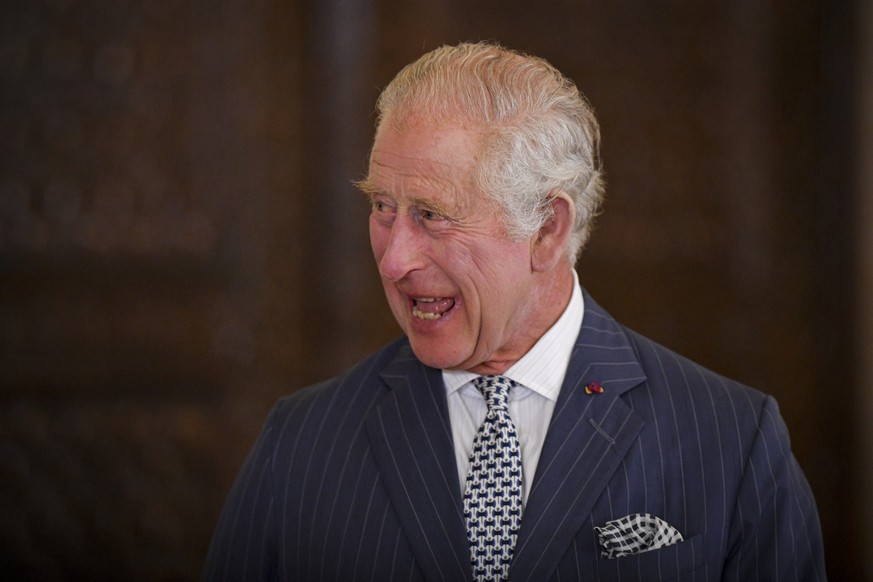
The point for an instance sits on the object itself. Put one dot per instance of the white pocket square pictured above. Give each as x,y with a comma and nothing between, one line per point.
636,533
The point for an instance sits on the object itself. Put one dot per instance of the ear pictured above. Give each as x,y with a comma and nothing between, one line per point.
549,245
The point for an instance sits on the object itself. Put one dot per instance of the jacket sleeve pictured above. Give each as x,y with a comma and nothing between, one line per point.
243,543
775,530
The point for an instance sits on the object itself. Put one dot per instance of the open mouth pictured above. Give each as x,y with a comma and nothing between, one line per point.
430,308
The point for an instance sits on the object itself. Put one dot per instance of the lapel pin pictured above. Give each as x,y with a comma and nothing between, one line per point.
594,388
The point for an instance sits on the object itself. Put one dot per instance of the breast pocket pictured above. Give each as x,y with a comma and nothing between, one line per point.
664,564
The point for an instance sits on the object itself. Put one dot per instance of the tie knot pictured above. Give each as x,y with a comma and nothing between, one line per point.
495,389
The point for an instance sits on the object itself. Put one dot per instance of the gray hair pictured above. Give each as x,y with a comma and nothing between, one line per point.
540,136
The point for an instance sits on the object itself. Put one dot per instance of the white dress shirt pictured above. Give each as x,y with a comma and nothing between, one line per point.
539,373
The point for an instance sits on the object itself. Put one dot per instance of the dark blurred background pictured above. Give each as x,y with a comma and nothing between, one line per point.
180,244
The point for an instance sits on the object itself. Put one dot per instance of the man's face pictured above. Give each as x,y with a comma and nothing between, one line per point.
459,288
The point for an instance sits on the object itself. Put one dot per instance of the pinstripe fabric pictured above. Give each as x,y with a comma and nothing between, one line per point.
355,479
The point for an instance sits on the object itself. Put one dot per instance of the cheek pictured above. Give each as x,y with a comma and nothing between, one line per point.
502,282
497,267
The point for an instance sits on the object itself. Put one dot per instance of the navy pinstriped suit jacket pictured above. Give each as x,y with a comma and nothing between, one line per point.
355,478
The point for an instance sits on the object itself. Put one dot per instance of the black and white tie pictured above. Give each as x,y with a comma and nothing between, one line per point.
493,493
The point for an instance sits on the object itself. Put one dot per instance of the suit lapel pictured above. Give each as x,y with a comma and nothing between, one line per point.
588,437
411,440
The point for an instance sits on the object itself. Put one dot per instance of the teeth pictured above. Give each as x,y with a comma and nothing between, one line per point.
424,315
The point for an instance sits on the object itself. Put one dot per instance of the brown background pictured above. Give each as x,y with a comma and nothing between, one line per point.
180,243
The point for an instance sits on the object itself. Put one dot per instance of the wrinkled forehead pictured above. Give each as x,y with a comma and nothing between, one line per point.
439,145
425,150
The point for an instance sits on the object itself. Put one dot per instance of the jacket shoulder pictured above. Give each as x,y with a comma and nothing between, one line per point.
350,393
665,369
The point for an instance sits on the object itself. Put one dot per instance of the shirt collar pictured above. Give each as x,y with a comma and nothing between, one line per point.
543,367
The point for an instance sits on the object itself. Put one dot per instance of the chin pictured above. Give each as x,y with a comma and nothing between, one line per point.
435,358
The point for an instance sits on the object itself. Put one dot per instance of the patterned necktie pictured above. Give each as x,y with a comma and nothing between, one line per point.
492,496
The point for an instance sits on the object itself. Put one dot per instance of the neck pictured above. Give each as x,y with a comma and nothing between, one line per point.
548,302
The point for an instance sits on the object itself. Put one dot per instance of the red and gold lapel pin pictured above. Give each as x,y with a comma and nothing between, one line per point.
594,388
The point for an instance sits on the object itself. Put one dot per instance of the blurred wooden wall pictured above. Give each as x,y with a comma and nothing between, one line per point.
864,259
180,243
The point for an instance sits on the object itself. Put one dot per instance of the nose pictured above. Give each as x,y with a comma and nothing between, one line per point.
402,249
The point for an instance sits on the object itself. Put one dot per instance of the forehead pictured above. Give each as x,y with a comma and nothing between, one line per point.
421,158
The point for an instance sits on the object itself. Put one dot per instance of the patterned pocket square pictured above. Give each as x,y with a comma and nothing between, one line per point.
636,533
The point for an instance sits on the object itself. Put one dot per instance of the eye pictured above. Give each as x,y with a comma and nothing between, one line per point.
382,211
430,215
431,219
380,206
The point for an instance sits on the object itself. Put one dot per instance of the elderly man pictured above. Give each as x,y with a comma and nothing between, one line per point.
517,431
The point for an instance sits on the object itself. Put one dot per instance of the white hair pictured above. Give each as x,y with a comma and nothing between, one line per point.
539,134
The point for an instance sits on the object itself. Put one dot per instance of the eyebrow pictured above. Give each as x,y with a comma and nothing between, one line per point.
438,208
366,186
371,191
